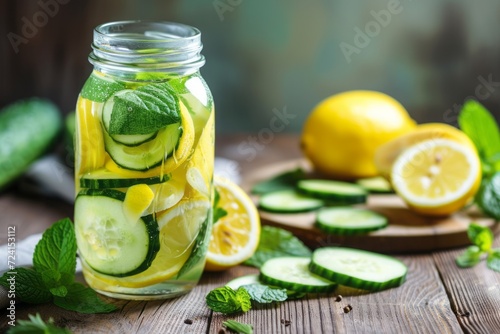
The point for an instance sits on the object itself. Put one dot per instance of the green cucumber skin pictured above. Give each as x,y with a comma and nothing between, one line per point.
274,210
296,287
86,182
347,231
149,221
333,198
139,142
154,247
28,129
354,282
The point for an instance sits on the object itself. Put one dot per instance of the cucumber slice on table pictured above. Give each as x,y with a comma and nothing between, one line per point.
288,201
105,179
358,268
147,155
107,241
349,221
336,191
292,273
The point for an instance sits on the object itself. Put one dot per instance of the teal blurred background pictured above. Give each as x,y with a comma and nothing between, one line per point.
278,56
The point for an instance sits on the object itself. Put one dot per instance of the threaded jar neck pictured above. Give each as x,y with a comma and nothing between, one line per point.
146,46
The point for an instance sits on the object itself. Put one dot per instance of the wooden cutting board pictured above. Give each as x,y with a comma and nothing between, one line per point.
407,231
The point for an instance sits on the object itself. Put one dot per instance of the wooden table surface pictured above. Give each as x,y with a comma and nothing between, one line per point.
438,297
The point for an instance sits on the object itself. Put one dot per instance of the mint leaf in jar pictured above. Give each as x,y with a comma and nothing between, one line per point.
142,111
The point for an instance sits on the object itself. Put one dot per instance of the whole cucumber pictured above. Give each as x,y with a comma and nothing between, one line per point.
27,129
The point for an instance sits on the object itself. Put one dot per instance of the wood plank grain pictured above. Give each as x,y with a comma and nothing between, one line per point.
474,292
419,306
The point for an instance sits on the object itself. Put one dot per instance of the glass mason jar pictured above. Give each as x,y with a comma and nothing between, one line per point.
144,156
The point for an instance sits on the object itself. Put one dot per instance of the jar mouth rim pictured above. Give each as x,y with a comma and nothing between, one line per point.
148,30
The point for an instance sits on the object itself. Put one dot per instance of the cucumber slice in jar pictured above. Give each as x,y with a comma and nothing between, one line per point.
147,155
349,221
107,241
292,273
358,268
103,178
288,201
336,191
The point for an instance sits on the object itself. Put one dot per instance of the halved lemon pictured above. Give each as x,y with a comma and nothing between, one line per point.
437,176
235,236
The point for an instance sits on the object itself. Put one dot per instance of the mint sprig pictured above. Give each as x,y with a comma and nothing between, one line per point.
264,294
144,110
53,275
228,301
37,325
480,126
482,238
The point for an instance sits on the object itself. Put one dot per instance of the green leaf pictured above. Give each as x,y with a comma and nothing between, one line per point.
488,196
226,300
480,236
470,257
244,298
84,300
287,180
238,327
263,294
29,285
57,249
98,88
275,242
218,211
478,123
36,326
493,260
144,110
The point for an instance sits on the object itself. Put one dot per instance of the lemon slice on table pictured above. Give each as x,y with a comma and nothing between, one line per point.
235,236
437,177
178,227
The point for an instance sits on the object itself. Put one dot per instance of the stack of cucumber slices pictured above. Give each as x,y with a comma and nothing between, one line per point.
329,267
332,200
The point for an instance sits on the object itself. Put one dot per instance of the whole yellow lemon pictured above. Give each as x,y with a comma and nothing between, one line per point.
342,133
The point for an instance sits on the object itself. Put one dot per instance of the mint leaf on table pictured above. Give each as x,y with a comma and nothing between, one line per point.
83,299
470,257
284,181
144,110
493,260
29,284
238,327
478,123
488,196
36,325
480,236
228,301
56,251
53,274
264,294
275,242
